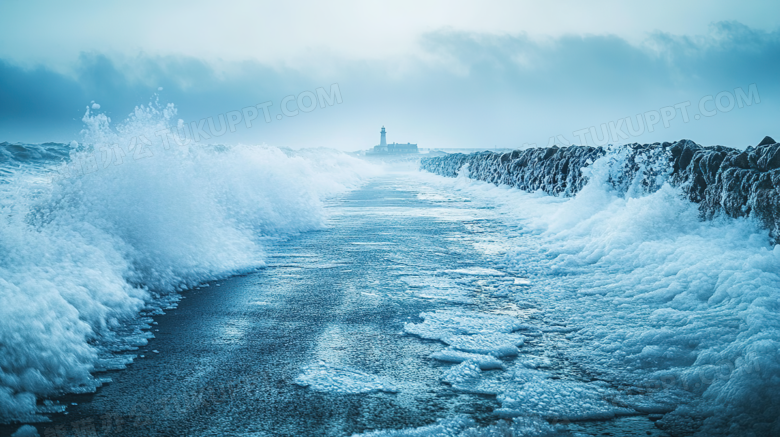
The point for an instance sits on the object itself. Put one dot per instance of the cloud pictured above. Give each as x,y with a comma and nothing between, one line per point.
463,89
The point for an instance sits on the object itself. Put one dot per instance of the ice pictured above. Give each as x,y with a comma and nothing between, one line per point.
90,386
341,380
26,431
467,377
118,362
450,295
444,323
559,400
496,344
485,362
478,271
463,426
437,287
423,281
49,407
649,404
451,427
559,329
479,333
465,372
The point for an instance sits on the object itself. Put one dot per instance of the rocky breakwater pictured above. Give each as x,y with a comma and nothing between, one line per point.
722,180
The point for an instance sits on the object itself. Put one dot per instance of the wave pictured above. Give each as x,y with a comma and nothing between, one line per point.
666,306
87,245
16,158
21,154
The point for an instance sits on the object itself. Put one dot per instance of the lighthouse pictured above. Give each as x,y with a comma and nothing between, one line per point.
392,149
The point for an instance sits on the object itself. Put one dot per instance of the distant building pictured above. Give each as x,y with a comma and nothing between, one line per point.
393,148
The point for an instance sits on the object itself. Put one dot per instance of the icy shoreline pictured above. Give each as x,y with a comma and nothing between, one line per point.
667,303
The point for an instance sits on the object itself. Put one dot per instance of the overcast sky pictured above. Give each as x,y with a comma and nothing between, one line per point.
442,74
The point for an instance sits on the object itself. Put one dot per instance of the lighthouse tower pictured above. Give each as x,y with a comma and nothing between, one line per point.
391,149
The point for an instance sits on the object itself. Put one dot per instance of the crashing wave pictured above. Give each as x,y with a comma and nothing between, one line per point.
91,247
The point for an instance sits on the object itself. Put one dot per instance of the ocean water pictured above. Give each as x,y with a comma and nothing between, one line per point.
96,236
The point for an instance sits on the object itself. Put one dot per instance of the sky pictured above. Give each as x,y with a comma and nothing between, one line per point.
487,74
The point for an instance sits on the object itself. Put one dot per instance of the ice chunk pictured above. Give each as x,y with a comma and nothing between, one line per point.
497,344
467,371
478,271
437,287
463,426
441,324
449,427
26,431
49,407
341,380
559,400
471,332
647,404
467,377
485,362
116,362
560,329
